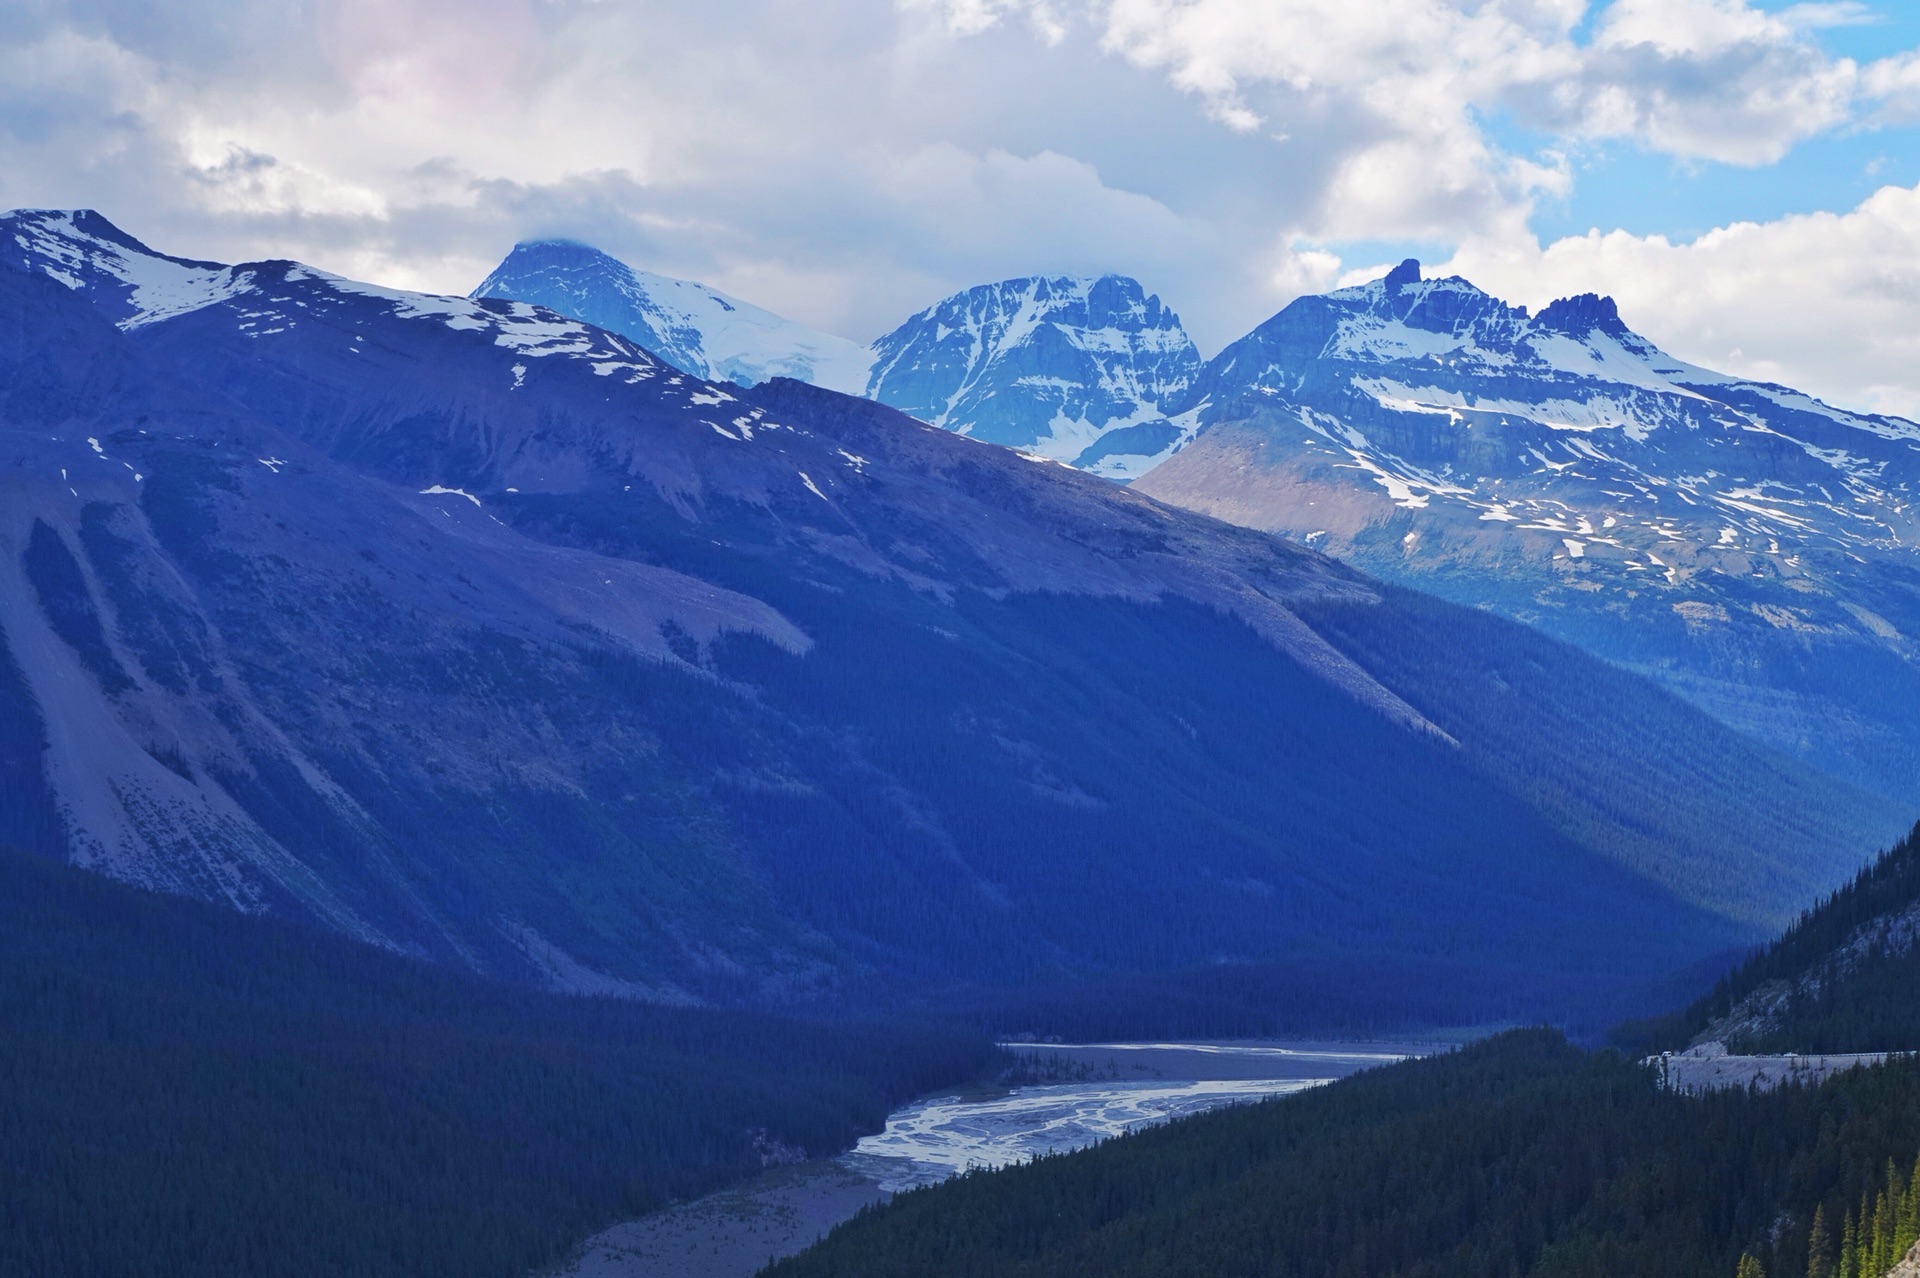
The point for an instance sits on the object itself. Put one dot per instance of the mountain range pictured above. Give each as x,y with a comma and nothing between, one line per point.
1076,370
1744,544
484,634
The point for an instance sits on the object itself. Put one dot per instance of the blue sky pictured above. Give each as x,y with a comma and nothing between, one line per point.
1626,186
1743,175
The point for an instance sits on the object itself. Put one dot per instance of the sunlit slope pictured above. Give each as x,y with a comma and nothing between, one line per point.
1746,545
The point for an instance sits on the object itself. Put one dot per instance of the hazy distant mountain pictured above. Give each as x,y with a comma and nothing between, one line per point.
696,329
481,633
1747,545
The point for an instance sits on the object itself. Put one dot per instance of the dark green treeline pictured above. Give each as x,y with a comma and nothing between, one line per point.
1521,1155
184,1091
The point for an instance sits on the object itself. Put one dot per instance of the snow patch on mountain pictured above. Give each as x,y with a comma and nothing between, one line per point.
130,282
523,328
1449,392
1560,468
1081,371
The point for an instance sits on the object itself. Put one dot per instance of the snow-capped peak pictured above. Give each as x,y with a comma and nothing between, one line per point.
1081,370
1562,469
1076,369
136,286
697,329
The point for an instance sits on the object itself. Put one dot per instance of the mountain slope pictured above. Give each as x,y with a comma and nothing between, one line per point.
1747,546
690,326
482,634
1079,370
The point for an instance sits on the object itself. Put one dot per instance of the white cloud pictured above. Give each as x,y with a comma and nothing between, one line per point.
848,163
1894,85
1828,303
1697,79
1298,269
1713,79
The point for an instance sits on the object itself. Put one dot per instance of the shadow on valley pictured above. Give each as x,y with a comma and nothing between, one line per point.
187,1091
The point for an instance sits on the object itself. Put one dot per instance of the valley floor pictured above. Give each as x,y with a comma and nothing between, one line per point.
731,1234
1076,1095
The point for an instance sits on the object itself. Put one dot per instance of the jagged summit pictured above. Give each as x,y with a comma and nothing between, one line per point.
1080,369
1583,314
1407,322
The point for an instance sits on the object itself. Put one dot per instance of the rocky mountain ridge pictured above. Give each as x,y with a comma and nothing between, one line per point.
1082,371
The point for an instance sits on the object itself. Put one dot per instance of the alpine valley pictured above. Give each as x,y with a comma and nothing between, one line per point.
484,635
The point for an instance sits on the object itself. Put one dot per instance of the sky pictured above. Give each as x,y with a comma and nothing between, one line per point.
1744,177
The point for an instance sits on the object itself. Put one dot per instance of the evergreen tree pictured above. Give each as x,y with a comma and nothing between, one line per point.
1820,1246
1907,1226
1749,1268
1883,1224
187,1090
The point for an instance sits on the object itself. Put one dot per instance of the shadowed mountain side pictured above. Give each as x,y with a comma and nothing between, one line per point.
1840,980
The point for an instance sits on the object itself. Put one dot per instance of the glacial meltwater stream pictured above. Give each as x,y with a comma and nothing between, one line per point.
1116,1088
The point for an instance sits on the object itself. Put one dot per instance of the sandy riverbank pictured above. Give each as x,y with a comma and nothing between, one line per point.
731,1234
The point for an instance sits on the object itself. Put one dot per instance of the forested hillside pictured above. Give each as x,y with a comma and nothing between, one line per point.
187,1091
1844,978
1519,1155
